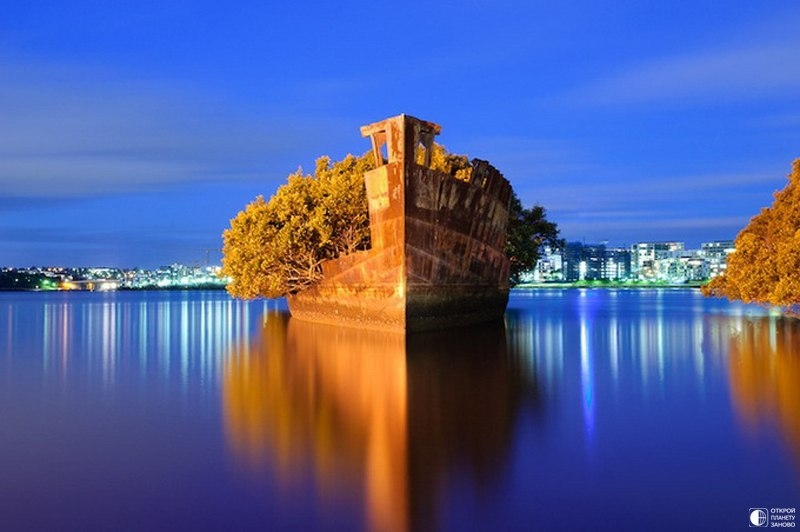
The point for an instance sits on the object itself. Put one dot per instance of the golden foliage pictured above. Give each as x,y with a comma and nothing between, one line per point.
277,247
455,165
765,268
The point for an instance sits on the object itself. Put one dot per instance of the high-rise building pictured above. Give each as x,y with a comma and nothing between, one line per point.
595,262
644,261
681,266
573,263
617,264
716,255
644,257
550,266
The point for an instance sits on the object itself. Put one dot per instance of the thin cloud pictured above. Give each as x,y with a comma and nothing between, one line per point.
609,193
779,121
82,175
518,156
648,221
58,246
657,209
647,228
78,132
738,73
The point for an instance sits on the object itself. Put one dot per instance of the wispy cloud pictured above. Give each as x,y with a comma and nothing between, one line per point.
71,132
520,157
626,210
118,247
735,73
607,193
779,121
629,228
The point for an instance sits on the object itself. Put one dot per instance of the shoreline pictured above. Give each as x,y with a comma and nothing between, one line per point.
523,286
211,287
607,285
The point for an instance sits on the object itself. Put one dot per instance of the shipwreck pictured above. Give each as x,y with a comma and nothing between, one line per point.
437,243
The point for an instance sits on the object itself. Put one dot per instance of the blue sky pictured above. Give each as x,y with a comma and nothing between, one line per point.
131,132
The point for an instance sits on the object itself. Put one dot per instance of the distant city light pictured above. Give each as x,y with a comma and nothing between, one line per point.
108,279
656,262
648,262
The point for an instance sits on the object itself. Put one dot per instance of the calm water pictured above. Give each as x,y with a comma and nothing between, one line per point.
588,410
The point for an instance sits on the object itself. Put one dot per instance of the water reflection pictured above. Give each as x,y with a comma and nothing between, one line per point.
118,338
466,388
764,373
367,412
142,410
596,349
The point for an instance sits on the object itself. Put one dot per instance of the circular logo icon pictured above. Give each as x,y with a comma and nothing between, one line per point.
758,517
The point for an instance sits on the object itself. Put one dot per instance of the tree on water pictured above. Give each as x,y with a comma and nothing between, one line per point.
276,247
765,268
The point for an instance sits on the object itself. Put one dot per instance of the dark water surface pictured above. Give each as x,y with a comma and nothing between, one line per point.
589,409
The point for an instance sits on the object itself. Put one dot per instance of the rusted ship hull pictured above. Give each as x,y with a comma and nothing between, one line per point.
436,257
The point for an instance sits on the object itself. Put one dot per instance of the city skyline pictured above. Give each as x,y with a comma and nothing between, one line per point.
642,262
545,251
130,136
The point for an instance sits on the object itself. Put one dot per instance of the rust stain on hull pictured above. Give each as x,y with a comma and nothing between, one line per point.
437,257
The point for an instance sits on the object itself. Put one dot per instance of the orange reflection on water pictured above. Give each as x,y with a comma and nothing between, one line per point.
765,377
336,397
380,418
